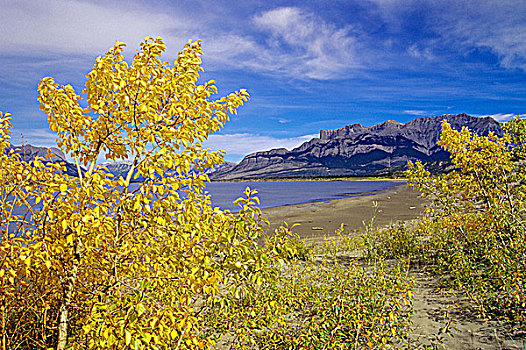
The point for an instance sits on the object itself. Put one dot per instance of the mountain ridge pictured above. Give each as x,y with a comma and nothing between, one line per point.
356,150
29,153
353,150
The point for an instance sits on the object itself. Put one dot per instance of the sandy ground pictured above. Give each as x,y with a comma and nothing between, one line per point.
323,218
433,310
400,204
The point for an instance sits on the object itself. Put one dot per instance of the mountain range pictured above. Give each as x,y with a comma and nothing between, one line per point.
356,150
122,168
29,153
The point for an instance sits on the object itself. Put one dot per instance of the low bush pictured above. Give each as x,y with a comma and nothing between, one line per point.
330,305
475,235
395,242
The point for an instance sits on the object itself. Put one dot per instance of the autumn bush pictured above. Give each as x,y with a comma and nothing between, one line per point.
91,263
327,301
94,263
397,241
342,305
475,232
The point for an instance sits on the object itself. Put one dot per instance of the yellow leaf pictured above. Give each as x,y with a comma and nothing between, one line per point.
63,188
147,337
128,337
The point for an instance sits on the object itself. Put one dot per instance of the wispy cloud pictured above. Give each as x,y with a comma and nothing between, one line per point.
287,41
281,120
307,44
241,144
497,26
35,137
501,117
416,51
416,112
77,27
452,27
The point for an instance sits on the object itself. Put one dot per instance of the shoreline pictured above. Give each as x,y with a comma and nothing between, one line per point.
291,179
317,219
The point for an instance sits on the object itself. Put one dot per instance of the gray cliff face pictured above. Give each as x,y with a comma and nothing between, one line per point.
421,130
29,153
356,150
121,168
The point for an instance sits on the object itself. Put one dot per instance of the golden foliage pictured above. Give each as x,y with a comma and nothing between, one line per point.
476,235
95,264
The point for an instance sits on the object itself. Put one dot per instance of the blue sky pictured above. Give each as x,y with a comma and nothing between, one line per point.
308,65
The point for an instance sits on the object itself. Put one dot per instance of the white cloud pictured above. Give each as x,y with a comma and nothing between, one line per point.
35,137
497,26
501,117
76,27
287,41
462,26
242,144
417,51
306,44
415,112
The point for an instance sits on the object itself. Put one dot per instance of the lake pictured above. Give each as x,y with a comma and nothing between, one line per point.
278,193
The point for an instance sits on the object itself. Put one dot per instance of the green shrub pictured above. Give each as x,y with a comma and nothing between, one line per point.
394,242
341,306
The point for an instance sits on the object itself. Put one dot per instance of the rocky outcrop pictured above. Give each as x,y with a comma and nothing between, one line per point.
117,169
122,168
220,167
355,150
29,153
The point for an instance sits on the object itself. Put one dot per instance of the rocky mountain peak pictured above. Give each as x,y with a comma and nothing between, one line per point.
359,150
30,153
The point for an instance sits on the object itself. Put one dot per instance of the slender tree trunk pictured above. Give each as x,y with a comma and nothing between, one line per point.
3,327
63,312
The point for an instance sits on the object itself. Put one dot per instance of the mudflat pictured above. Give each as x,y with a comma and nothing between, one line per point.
317,219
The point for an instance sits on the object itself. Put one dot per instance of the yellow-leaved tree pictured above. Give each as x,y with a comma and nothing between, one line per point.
92,262
477,235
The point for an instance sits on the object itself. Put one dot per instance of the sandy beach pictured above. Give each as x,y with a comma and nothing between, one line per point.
317,219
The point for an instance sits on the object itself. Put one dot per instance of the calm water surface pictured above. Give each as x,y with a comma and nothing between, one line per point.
277,193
